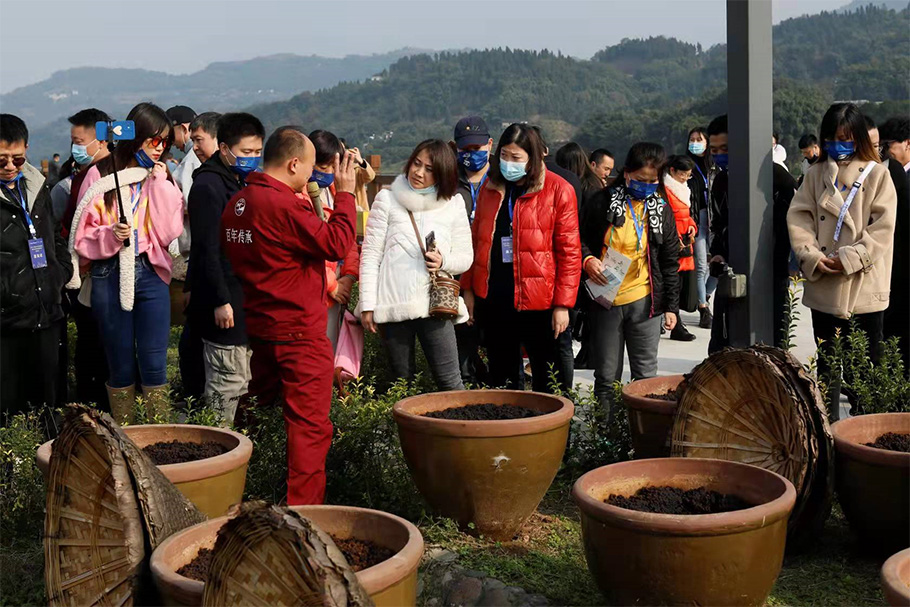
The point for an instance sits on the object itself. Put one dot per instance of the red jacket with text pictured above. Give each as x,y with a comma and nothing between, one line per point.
546,245
278,247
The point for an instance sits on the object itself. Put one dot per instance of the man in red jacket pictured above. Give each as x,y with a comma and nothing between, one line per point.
277,247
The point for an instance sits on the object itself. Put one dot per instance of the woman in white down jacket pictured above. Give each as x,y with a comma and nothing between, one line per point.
395,274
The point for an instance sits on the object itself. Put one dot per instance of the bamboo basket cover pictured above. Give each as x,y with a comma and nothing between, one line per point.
269,555
93,540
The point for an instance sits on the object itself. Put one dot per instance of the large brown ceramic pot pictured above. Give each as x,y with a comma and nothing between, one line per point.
873,485
213,484
392,583
896,579
489,473
651,419
640,558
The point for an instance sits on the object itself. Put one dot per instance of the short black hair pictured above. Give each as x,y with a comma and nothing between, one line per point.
776,135
207,121
88,117
56,155
599,154
896,128
285,143
13,129
718,126
235,126
870,124
807,141
327,145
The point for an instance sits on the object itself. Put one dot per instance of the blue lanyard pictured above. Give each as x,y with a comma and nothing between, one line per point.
705,179
512,202
639,225
475,192
24,204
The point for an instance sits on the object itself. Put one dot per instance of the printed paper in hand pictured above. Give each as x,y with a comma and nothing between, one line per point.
615,267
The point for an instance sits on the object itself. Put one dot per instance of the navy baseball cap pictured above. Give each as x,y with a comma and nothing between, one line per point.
180,114
471,131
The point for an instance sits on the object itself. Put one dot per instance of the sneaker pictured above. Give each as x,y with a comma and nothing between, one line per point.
707,319
680,333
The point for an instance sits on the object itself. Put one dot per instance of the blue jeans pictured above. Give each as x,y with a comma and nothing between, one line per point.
140,335
706,283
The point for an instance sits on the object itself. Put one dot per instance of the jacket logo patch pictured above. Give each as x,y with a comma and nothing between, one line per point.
239,207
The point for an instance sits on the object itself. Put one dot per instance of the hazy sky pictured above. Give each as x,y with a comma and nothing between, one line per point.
182,36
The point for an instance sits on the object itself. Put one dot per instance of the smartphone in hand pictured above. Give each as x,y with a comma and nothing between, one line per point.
431,241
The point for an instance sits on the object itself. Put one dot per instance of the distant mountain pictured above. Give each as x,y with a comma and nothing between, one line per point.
896,5
220,86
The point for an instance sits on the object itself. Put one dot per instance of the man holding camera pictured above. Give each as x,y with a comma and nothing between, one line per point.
277,246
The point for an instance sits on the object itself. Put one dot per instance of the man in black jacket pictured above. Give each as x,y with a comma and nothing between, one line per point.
34,266
895,139
719,248
215,310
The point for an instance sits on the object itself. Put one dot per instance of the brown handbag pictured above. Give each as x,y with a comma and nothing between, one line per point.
444,289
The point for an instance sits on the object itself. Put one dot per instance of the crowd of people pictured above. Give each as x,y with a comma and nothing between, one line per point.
544,250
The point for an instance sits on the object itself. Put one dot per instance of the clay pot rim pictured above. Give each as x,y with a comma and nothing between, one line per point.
723,523
483,428
189,471
892,583
638,401
373,579
859,451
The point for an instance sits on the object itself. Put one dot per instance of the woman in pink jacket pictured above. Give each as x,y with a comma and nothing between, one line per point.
129,281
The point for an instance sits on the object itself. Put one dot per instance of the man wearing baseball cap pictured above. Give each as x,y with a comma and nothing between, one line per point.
181,117
473,146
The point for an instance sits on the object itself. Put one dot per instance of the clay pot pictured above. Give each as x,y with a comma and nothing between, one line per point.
213,484
651,419
640,558
873,485
489,473
390,583
896,579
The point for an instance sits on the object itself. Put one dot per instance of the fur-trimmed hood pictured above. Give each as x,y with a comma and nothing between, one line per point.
415,201
680,190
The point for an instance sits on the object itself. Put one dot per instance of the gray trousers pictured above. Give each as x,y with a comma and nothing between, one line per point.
437,338
620,328
227,376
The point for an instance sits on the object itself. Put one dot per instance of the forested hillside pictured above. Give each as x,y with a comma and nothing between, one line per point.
638,89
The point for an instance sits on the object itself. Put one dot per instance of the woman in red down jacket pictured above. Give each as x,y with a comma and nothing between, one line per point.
674,182
527,261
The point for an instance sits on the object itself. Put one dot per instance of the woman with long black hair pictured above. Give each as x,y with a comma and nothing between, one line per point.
700,187
572,157
129,284
527,261
629,234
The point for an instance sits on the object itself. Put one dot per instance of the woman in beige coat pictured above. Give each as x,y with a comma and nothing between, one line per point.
841,224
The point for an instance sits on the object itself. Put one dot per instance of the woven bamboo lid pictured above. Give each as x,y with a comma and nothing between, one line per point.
93,543
269,555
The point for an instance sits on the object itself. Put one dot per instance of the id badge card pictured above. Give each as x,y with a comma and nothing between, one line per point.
506,249
36,250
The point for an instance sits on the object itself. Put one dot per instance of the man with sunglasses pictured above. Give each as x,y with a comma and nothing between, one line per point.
34,266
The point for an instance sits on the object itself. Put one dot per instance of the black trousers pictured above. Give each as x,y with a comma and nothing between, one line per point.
90,361
897,324
30,362
505,331
192,363
468,339
720,332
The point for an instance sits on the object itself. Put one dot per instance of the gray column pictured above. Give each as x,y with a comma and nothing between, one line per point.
750,94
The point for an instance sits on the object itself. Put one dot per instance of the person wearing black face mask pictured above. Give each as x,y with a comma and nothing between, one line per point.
472,144
808,147
215,312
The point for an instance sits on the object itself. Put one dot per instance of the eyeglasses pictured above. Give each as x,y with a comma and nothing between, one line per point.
17,161
154,142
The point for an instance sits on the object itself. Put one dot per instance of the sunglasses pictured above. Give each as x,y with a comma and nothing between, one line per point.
154,142
17,161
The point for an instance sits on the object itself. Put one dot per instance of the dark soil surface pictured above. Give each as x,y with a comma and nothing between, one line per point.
484,412
198,568
176,452
362,554
672,500
892,441
670,396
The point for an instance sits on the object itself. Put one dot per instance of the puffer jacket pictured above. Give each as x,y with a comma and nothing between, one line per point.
866,242
31,298
394,282
679,197
607,208
546,245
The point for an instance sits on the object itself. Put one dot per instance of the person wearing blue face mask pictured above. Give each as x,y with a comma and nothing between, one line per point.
628,232
841,223
473,146
719,249
700,187
417,229
215,326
